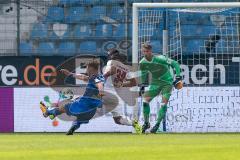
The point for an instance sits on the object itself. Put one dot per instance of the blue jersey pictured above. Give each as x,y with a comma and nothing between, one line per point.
92,90
90,99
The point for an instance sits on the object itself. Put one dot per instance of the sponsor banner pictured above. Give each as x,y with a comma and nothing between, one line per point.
28,116
203,70
6,110
211,70
204,109
192,109
28,71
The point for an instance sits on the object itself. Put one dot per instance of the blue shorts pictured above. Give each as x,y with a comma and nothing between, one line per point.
82,105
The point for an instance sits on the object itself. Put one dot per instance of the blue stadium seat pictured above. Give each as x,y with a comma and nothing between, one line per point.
39,31
46,49
89,2
88,47
104,30
68,2
68,33
53,35
64,2
223,48
76,14
131,1
26,49
97,12
156,47
78,2
67,48
112,2
120,31
55,14
147,30
82,31
193,18
117,13
197,30
193,45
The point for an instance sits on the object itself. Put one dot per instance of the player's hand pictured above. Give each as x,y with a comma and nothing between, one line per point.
117,84
178,84
65,71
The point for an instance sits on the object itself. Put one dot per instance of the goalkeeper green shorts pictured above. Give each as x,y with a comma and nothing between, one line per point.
164,89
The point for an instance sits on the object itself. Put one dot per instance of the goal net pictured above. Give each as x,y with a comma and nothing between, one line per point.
204,39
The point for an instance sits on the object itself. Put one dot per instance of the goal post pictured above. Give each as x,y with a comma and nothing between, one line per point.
204,39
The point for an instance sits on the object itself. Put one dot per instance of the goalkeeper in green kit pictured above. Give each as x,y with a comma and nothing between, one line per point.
161,83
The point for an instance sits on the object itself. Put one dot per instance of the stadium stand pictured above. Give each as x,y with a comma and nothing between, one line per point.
120,30
117,13
55,14
67,49
39,31
75,15
97,21
104,30
26,49
97,13
82,31
46,49
88,47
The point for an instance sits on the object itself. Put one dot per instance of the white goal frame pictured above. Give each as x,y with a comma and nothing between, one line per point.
136,6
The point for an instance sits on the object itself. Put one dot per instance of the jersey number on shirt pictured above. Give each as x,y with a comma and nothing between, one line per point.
120,75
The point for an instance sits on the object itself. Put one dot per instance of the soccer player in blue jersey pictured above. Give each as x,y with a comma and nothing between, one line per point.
83,108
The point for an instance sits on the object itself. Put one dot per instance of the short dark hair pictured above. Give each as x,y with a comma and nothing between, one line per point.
93,64
113,51
147,46
114,54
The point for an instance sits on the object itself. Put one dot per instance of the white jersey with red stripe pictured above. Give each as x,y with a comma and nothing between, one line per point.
122,72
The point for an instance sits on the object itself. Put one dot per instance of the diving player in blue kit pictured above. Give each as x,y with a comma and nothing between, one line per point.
83,108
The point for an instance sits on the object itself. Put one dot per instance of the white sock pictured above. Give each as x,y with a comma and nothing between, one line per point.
125,121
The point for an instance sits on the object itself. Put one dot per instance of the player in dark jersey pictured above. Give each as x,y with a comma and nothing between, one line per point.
83,108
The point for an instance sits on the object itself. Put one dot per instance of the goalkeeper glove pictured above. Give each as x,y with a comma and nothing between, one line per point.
178,82
142,89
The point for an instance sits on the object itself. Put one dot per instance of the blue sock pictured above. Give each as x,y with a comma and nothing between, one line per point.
54,112
76,125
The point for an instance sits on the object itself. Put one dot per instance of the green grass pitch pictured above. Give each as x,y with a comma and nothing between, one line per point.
117,146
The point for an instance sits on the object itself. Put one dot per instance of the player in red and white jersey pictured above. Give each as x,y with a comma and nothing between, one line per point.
121,81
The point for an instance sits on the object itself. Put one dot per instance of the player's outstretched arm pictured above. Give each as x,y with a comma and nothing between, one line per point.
77,76
110,70
130,82
100,88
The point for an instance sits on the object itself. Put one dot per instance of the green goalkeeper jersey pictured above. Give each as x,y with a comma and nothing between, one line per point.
160,68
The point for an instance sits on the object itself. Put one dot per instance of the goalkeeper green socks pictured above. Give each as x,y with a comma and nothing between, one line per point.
146,111
161,113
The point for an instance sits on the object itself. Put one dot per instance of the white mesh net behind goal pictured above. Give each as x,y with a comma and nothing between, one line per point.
206,44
